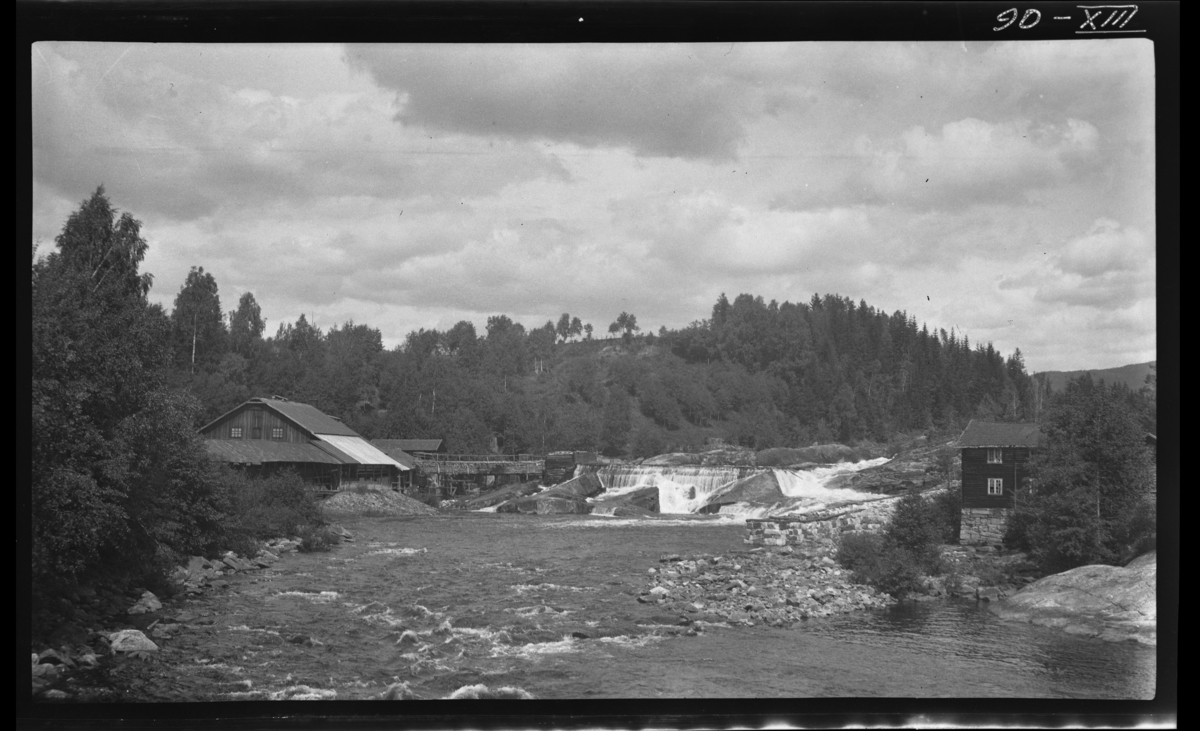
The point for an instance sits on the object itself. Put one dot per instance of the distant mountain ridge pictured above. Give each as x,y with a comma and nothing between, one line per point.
1133,375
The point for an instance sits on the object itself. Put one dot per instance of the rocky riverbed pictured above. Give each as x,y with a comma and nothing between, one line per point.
777,587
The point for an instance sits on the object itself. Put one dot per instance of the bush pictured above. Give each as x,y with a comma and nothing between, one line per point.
878,561
267,507
918,526
860,552
948,505
315,539
896,561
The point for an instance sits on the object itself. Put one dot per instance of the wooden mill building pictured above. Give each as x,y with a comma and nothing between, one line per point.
269,434
995,464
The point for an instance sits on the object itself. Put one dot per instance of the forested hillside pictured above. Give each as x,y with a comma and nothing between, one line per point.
1133,375
754,373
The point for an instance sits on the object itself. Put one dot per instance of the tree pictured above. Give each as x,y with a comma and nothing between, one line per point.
246,326
1090,481
587,329
120,481
626,324
563,328
615,422
540,342
197,323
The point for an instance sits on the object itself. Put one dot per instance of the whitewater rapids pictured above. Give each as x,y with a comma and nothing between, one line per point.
686,489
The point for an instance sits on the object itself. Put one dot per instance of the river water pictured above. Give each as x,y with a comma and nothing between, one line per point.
549,604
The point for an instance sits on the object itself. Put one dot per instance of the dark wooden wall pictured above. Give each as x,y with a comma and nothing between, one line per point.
260,418
976,471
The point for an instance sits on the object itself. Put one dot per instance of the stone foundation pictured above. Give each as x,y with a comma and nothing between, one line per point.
983,526
812,527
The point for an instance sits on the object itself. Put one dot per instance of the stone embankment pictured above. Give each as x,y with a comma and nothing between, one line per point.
1109,602
144,625
820,528
775,587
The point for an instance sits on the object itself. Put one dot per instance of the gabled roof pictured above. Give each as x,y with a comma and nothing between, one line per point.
260,451
997,434
386,446
409,445
309,418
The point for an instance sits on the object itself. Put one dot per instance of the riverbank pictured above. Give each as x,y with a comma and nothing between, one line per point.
1112,603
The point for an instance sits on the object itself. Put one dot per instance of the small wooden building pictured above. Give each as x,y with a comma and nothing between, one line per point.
995,464
266,435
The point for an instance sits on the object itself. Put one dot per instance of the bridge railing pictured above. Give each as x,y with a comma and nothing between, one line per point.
439,457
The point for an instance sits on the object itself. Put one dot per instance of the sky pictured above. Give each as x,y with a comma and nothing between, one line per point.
1003,190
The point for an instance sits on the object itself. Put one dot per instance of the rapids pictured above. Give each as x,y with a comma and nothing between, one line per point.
687,489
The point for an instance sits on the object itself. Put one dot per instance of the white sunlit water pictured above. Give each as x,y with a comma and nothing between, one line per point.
684,490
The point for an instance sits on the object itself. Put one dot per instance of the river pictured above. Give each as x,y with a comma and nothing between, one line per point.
549,604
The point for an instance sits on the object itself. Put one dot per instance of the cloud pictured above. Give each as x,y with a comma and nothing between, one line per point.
973,161
183,146
1105,248
656,100
1107,268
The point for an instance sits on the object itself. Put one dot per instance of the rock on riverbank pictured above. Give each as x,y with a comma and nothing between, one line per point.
1109,602
775,587
86,643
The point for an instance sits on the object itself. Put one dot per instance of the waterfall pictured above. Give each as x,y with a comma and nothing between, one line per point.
681,488
811,483
686,489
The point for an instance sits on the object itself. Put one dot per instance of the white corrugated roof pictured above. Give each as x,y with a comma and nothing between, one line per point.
359,450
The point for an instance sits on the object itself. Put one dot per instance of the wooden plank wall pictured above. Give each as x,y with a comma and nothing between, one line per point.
976,471
256,420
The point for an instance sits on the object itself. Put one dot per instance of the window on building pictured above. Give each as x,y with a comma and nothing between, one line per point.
995,486
235,432
277,432
995,456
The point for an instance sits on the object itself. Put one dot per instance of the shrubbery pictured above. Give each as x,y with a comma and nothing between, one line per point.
907,550
266,507
315,538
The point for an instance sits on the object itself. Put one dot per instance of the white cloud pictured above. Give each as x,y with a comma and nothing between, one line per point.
974,161
414,186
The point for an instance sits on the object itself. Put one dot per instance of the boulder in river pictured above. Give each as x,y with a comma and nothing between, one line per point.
758,488
584,486
500,495
568,498
642,501
131,640
1109,602
542,504
147,603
